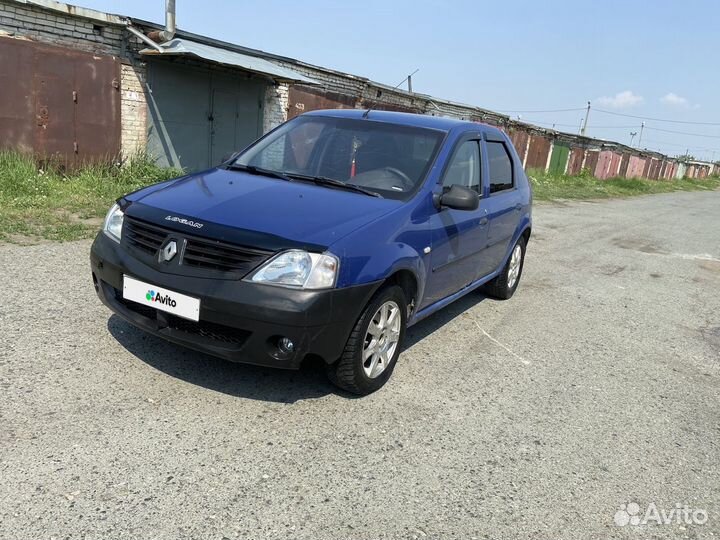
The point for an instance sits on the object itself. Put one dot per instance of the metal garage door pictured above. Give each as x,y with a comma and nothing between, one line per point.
309,98
198,116
559,159
58,103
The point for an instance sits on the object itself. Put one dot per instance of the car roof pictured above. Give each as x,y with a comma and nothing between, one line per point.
405,119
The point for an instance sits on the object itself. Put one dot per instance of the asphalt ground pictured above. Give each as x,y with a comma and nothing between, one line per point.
595,386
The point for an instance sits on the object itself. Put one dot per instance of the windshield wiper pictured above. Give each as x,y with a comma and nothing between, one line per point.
325,181
252,169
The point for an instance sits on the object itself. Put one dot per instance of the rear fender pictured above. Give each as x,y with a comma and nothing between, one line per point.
525,224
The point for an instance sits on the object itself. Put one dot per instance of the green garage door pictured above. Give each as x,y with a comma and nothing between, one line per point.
559,159
198,116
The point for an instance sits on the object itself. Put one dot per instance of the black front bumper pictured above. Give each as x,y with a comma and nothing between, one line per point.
239,321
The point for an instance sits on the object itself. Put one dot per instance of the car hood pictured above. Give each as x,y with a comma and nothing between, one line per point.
298,211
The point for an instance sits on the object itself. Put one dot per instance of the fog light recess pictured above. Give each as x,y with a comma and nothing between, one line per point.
286,346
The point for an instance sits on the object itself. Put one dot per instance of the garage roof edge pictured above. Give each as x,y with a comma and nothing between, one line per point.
187,47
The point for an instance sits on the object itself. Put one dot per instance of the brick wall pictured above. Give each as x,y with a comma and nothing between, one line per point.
50,27
277,99
133,110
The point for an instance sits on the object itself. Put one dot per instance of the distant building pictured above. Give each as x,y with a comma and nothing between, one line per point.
78,84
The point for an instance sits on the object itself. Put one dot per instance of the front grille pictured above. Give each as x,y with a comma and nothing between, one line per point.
196,253
143,236
221,256
204,329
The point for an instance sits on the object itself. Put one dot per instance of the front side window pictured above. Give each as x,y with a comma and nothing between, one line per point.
389,159
464,167
500,165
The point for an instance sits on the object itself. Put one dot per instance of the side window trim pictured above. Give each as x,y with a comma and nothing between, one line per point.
477,138
490,138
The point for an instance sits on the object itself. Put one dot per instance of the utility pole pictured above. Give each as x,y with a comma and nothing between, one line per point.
409,80
632,136
587,115
642,127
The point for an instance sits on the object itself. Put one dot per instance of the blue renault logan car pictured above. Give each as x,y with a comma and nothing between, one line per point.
326,238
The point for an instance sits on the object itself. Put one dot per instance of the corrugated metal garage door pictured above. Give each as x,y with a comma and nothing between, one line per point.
59,103
198,116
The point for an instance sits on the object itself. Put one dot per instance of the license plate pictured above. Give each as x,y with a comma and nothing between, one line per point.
161,298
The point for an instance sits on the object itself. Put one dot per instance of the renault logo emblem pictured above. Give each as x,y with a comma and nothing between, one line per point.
169,251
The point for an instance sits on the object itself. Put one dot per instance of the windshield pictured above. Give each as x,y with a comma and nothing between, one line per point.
388,159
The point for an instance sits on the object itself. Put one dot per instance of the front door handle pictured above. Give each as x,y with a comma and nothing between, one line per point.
483,221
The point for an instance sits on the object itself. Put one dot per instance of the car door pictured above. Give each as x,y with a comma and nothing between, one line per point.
459,237
504,201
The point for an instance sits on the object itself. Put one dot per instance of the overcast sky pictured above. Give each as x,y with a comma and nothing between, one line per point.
635,57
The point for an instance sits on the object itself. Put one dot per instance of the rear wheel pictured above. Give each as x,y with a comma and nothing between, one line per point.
504,285
373,347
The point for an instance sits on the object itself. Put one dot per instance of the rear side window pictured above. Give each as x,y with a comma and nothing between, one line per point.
501,173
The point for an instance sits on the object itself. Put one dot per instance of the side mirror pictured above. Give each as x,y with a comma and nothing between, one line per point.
460,198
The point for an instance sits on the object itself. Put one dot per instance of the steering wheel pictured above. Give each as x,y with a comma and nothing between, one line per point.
408,184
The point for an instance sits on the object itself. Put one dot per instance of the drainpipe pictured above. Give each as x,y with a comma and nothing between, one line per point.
135,32
162,36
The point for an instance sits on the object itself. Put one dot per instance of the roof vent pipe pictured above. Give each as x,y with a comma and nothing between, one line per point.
162,36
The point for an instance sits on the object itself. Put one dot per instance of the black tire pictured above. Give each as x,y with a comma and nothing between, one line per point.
348,372
499,287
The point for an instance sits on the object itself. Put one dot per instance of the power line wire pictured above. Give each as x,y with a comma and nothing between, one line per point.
683,146
547,111
633,127
684,133
592,126
657,119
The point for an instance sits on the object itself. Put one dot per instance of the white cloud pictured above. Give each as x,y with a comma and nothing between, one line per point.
674,100
620,100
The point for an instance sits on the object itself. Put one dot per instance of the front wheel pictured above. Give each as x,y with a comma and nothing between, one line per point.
504,285
373,347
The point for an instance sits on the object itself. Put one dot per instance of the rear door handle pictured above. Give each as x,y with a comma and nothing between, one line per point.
483,221
518,207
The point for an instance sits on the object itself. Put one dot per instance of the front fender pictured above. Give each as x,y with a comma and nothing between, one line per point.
385,260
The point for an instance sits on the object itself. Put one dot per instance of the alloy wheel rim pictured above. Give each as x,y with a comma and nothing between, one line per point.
514,269
381,339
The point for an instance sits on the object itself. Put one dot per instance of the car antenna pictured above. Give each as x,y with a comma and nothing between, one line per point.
409,81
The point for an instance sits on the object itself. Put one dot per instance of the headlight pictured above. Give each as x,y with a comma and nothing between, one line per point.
299,269
113,223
